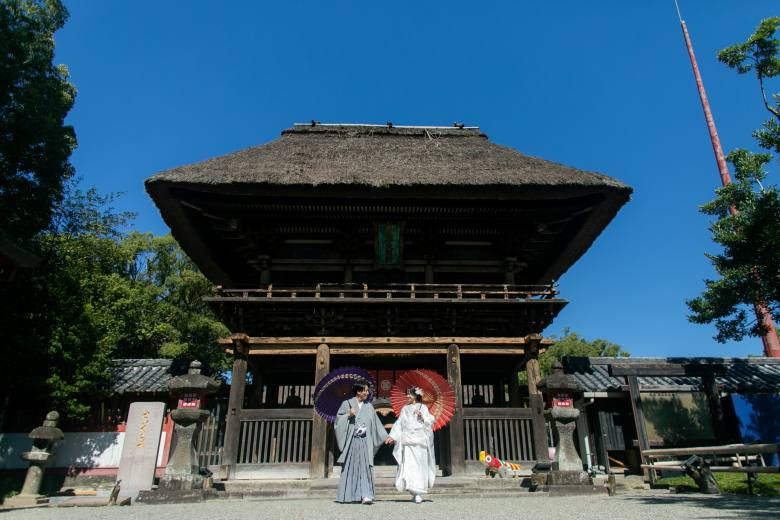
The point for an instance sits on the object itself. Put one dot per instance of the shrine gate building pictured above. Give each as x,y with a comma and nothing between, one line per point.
387,248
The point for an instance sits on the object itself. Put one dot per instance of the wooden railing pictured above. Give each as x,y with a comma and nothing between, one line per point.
275,436
506,433
208,443
395,291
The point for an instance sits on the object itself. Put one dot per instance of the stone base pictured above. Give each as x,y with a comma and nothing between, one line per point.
181,483
26,501
92,502
569,478
171,496
563,491
564,483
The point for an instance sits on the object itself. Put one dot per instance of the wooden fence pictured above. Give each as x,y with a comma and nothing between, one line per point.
284,436
506,433
210,438
275,436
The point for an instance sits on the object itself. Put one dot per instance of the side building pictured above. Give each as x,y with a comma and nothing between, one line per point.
388,248
672,403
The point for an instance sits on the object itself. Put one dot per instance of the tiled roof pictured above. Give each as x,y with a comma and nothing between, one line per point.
144,375
741,375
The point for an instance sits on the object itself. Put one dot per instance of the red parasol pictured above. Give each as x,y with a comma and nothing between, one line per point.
438,395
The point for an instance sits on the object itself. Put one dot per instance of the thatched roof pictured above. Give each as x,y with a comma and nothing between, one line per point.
380,157
362,162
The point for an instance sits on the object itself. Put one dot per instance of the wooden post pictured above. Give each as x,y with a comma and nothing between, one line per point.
639,422
716,410
235,406
583,434
602,439
319,434
536,401
256,399
534,375
514,388
456,441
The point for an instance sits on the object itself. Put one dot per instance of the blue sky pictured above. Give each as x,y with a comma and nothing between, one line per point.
603,86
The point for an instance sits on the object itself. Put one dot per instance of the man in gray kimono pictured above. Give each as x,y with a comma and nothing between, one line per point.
359,435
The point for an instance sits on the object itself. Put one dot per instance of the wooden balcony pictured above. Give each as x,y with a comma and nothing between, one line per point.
388,310
421,292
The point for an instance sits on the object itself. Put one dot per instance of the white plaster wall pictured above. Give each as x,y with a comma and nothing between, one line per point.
78,449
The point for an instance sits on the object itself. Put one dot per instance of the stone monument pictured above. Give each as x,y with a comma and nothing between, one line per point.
567,476
43,438
141,447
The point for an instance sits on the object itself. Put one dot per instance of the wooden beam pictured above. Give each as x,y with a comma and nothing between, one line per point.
283,352
373,351
456,433
493,351
313,341
665,368
742,449
275,414
387,351
319,435
498,413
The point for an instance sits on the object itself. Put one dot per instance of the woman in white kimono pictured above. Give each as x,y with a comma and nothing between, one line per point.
359,435
412,435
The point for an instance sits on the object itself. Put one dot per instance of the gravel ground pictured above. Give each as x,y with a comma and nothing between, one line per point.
636,506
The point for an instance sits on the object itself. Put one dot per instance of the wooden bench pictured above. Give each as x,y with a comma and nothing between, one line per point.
700,462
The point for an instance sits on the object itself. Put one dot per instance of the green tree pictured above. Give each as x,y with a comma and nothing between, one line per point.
572,344
182,325
749,264
35,97
57,344
98,295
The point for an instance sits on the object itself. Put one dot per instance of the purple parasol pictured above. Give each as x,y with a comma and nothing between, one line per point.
336,387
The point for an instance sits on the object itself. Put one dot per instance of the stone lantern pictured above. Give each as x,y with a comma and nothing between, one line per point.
43,438
183,470
567,475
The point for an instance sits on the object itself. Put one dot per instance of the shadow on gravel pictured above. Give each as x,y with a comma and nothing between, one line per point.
739,506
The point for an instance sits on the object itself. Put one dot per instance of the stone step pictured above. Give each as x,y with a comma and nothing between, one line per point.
384,487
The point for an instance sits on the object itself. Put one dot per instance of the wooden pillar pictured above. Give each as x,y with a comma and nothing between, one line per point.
256,399
534,375
235,406
716,410
583,434
348,271
429,269
272,391
601,437
535,399
515,401
639,422
319,435
456,435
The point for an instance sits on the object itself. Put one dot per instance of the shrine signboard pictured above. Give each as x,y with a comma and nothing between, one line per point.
141,446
